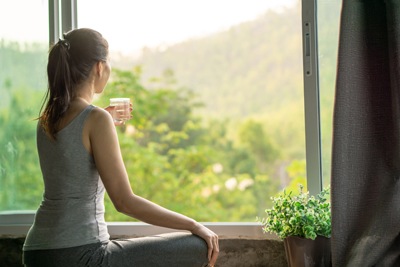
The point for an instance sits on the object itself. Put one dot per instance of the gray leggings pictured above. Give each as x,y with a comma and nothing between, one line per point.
175,249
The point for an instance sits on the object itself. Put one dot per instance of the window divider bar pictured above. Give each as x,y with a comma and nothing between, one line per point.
311,96
69,15
54,21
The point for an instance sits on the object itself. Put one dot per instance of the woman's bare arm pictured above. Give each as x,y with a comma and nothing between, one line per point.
107,155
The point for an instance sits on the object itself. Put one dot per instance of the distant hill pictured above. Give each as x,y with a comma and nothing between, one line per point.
254,67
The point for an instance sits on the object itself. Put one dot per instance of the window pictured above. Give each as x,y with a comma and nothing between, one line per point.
221,161
218,161
328,39
23,59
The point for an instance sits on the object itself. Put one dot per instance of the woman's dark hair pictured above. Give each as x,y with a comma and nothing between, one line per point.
70,63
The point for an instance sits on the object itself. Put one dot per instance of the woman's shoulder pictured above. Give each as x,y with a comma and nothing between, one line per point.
100,127
100,114
99,117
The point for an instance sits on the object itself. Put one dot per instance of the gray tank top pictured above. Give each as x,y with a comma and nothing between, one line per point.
72,210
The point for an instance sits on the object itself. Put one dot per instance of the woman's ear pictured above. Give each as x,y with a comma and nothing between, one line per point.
99,68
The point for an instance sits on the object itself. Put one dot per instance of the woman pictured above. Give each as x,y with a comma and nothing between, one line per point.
77,144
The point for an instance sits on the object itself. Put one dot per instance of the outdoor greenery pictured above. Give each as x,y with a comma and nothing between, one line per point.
180,161
218,124
299,215
254,70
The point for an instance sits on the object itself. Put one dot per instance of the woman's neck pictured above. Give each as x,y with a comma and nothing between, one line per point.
82,99
85,92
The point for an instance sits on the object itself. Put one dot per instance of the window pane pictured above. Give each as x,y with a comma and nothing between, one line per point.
217,90
23,55
328,35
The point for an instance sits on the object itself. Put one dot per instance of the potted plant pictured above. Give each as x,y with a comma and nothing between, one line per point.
304,224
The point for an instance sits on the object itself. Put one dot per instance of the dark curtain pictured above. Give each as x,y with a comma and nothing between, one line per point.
366,136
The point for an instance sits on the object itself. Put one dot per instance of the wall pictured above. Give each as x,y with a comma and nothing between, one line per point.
234,252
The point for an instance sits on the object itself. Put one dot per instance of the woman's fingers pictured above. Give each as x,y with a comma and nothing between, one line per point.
211,239
120,116
214,251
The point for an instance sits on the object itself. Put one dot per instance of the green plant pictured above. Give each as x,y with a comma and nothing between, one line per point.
300,215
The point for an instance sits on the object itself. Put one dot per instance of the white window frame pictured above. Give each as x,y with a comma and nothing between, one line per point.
17,223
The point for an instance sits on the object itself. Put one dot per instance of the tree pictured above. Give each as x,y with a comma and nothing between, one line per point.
255,140
21,186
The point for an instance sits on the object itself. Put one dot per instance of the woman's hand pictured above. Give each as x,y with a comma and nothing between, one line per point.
211,239
110,109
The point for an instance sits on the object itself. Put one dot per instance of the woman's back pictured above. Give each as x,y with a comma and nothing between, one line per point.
72,210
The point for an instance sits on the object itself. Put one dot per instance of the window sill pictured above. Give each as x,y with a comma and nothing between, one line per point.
18,223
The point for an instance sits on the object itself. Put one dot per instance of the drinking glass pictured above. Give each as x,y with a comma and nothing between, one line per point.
121,112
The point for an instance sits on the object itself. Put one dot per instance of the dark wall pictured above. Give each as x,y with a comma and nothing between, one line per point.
233,252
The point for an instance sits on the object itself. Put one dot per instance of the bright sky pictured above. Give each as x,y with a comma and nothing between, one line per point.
130,25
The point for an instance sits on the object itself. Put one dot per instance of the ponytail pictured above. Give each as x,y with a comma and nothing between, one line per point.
58,96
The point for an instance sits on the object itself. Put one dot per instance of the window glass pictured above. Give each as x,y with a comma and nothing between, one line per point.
217,91
328,36
23,56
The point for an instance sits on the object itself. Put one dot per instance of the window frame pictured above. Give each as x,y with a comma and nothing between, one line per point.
311,97
17,223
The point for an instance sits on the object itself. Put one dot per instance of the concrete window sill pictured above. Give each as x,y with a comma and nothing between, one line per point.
241,244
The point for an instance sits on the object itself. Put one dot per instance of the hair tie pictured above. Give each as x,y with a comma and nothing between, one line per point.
64,43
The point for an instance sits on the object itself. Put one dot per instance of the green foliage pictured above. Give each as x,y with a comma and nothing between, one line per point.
21,186
254,69
176,159
22,84
172,156
297,173
299,215
257,143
